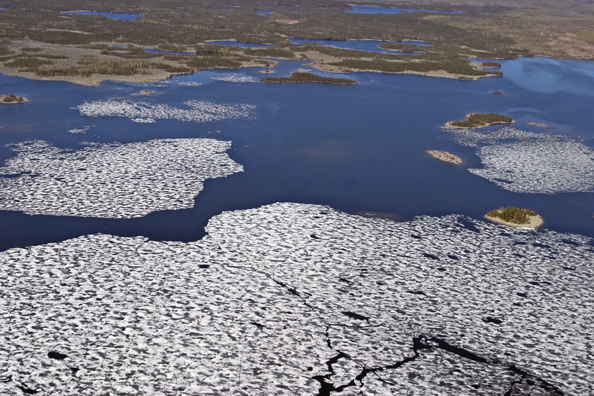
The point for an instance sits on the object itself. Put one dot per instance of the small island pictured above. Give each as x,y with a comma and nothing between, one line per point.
445,156
479,120
145,92
515,217
12,99
496,92
300,77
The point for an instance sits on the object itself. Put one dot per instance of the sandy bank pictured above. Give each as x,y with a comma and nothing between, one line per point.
445,157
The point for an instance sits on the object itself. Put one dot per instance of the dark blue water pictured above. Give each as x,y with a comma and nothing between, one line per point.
4,8
358,45
111,15
356,148
381,10
239,44
265,11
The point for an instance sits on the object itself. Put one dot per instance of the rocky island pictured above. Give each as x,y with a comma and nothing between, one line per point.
479,120
445,156
12,99
515,217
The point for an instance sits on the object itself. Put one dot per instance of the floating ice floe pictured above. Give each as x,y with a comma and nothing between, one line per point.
79,130
144,120
527,162
234,77
199,111
111,180
189,83
303,300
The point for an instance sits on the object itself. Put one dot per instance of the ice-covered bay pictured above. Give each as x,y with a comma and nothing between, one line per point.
293,299
535,163
111,180
198,111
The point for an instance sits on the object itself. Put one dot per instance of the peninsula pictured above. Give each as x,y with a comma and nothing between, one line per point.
301,77
479,120
515,217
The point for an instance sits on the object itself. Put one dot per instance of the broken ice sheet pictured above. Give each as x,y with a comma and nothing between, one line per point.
258,307
528,162
111,180
198,111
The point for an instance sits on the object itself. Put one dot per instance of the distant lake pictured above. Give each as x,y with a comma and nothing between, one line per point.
356,148
3,8
111,15
265,11
381,10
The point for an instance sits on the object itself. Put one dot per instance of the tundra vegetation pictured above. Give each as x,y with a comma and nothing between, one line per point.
509,30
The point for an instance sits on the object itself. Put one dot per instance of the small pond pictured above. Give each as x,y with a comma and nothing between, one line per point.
111,15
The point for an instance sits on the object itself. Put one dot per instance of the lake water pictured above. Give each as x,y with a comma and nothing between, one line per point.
381,10
265,11
355,148
110,15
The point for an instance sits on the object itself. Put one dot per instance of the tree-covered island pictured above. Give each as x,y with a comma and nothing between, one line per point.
479,120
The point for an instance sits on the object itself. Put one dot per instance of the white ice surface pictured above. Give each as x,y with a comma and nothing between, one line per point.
527,162
197,111
234,77
111,180
266,310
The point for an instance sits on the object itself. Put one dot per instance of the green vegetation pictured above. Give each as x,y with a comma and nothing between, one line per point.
89,65
308,78
12,98
586,35
454,66
275,53
479,120
403,47
27,63
512,214
31,49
